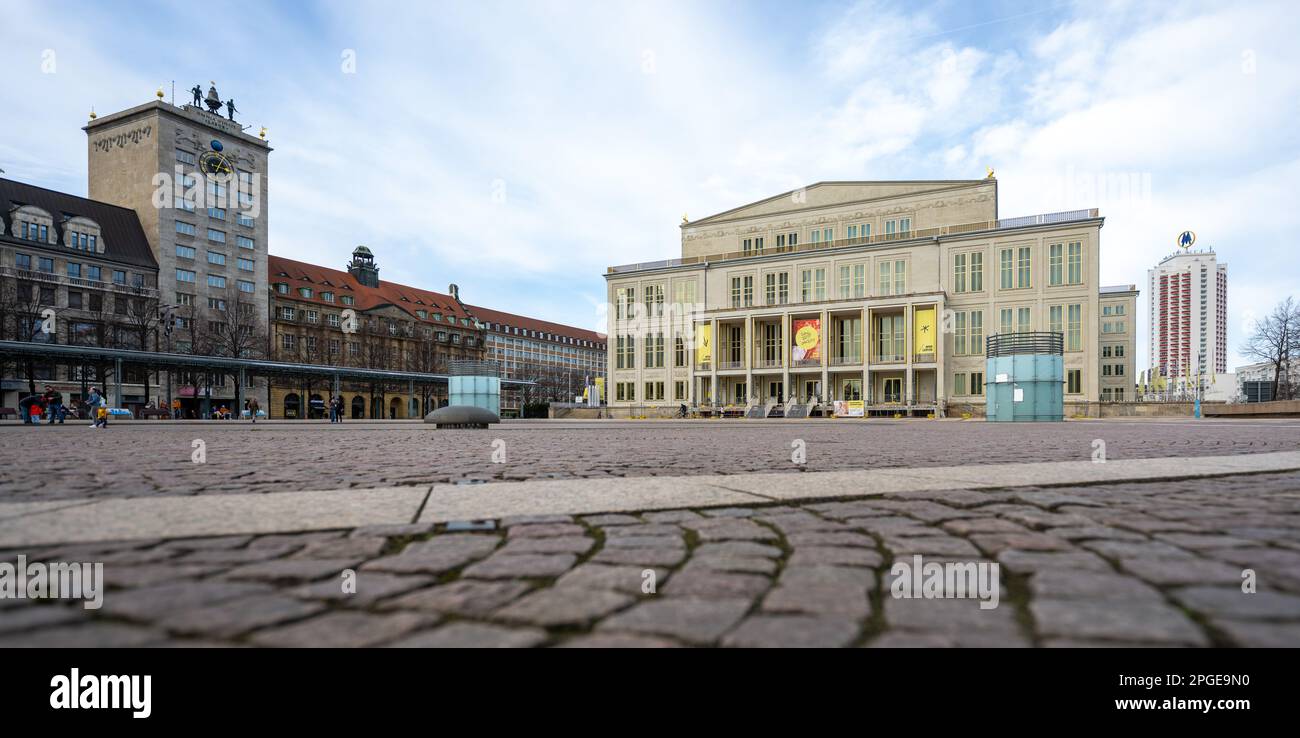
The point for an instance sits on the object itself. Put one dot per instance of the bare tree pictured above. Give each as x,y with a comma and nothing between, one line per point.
1276,341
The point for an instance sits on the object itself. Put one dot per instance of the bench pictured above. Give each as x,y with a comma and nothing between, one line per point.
154,412
8,412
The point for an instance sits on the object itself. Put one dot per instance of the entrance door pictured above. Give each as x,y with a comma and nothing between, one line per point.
893,390
811,389
776,390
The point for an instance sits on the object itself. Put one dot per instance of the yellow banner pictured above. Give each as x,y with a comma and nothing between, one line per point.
704,343
807,339
923,336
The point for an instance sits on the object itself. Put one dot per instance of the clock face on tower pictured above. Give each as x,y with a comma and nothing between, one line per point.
214,162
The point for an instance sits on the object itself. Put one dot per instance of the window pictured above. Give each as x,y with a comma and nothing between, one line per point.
349,299
288,341
845,282
886,277
1004,320
959,273
119,276
654,351
184,299
679,390
305,292
217,213
216,236
327,296
332,320
185,252
959,383
185,229
805,285
1055,264
1023,267
900,277
1075,269
977,383
185,157
313,317
216,280
1074,334
74,270
769,289
1006,264
216,257
977,271
735,292
959,334
74,300
1024,320
93,272
976,329
243,220
23,261
216,303
246,286
245,242
1055,323
245,265
185,275
624,352
1119,352
624,297
1074,382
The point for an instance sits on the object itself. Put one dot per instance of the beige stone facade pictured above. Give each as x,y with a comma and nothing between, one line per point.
208,231
879,268
1118,343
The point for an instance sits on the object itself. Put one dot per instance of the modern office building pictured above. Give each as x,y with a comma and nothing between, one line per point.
875,292
198,183
73,271
561,359
1187,295
1118,342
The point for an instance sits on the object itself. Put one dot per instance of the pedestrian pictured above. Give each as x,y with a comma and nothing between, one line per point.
176,409
253,408
101,417
35,410
53,400
95,401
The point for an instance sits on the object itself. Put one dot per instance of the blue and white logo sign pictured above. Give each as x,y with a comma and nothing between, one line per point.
1186,239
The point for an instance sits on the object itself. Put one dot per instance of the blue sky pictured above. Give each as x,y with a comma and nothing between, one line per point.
518,148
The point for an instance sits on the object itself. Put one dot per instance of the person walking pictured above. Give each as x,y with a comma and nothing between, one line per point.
96,401
253,408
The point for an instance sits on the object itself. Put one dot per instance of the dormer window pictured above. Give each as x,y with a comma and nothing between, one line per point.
327,296
421,314
304,291
282,288
347,299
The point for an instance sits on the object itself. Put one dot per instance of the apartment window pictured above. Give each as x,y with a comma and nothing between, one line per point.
216,257
245,242
327,296
216,303
185,252
245,265
185,229
184,298
185,275
216,280
243,220
1074,332
217,213
216,236
1055,264
654,300
1074,382
23,261
1023,267
1006,269
1075,267
246,286
119,276
94,273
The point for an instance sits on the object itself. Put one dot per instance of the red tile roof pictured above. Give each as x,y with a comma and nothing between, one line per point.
323,279
489,315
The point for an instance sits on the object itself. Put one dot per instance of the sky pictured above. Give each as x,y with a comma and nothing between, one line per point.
519,148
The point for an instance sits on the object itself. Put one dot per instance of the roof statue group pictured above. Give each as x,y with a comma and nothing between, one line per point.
213,101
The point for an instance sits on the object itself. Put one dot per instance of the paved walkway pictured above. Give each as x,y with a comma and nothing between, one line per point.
135,458
1118,564
1148,548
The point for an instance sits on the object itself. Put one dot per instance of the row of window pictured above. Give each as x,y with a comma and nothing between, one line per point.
187,276
76,270
214,235
900,227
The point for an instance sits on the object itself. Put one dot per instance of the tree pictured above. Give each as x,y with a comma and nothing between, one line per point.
1276,341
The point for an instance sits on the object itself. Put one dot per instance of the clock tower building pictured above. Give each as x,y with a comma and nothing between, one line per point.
198,182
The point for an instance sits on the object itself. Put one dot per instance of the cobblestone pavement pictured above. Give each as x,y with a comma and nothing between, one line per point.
1121,564
155,457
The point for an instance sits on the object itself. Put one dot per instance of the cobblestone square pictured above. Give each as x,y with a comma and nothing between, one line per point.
1156,562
